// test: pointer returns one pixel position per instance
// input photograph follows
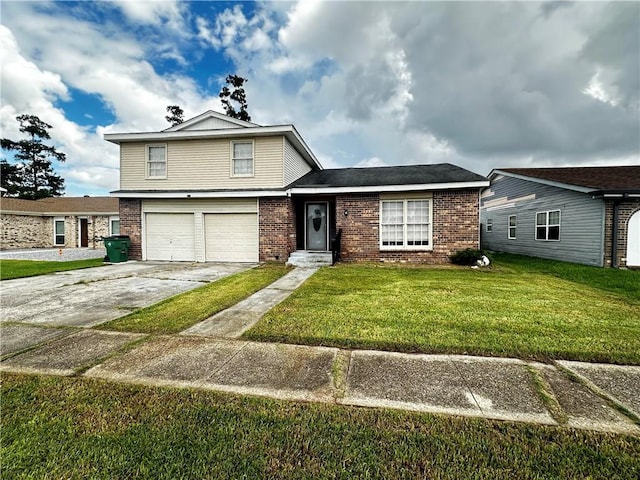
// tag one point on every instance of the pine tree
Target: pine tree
(32, 176)
(235, 101)
(176, 115)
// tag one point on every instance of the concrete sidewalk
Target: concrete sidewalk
(588, 396)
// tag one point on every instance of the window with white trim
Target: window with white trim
(548, 225)
(405, 224)
(58, 231)
(489, 226)
(114, 225)
(513, 225)
(156, 161)
(242, 159)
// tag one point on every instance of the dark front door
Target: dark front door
(316, 230)
(84, 232)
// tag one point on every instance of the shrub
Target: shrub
(468, 256)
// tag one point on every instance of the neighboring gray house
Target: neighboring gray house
(588, 215)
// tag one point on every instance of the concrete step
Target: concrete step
(303, 258)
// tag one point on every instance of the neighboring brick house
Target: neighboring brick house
(219, 189)
(65, 222)
(588, 215)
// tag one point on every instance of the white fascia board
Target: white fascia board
(288, 131)
(209, 114)
(566, 186)
(183, 194)
(387, 188)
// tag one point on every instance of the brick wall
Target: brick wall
(277, 228)
(455, 227)
(626, 208)
(25, 231)
(131, 224)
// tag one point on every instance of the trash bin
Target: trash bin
(117, 248)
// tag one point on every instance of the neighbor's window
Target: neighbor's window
(548, 225)
(513, 223)
(242, 159)
(156, 161)
(489, 225)
(114, 225)
(58, 229)
(405, 224)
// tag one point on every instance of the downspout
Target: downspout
(614, 235)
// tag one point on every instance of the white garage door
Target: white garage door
(231, 237)
(170, 236)
(633, 241)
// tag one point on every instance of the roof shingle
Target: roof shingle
(624, 178)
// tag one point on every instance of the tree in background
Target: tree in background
(235, 101)
(32, 176)
(176, 115)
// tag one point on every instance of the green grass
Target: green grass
(10, 269)
(56, 427)
(181, 311)
(519, 309)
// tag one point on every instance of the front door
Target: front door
(316, 226)
(84, 232)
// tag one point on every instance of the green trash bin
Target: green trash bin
(117, 248)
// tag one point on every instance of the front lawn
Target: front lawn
(181, 311)
(516, 309)
(29, 268)
(54, 427)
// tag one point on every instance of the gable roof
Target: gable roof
(61, 206)
(400, 178)
(596, 180)
(220, 119)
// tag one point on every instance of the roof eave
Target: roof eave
(552, 183)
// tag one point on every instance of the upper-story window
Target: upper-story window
(242, 159)
(156, 161)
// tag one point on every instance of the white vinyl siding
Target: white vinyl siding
(202, 164)
(405, 224)
(548, 225)
(156, 161)
(58, 231)
(242, 158)
(294, 165)
(231, 237)
(513, 226)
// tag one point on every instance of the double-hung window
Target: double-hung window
(489, 225)
(156, 161)
(513, 225)
(405, 224)
(58, 231)
(242, 159)
(548, 225)
(114, 225)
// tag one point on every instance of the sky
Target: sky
(481, 85)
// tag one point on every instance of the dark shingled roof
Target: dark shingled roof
(599, 178)
(70, 205)
(377, 176)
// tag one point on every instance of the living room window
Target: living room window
(513, 224)
(242, 159)
(156, 161)
(548, 225)
(405, 224)
(58, 231)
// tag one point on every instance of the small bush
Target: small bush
(468, 256)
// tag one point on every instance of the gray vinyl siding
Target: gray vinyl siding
(581, 222)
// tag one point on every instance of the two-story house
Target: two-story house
(215, 188)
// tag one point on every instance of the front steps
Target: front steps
(306, 258)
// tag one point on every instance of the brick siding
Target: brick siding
(277, 228)
(626, 208)
(131, 224)
(455, 227)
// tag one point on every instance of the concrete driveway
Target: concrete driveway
(88, 297)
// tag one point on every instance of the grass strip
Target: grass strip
(10, 269)
(506, 311)
(55, 427)
(181, 311)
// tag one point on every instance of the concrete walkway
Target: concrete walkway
(208, 356)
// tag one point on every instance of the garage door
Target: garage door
(231, 237)
(170, 236)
